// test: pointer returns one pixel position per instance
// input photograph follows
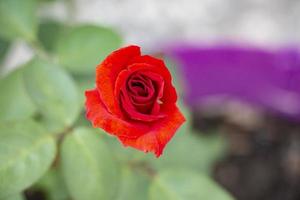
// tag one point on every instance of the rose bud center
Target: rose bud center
(141, 96)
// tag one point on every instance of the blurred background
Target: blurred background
(236, 64)
(152, 22)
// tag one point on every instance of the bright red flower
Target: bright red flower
(135, 100)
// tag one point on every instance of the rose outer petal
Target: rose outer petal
(107, 72)
(159, 135)
(146, 138)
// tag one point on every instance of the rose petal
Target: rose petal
(159, 135)
(169, 97)
(101, 118)
(140, 86)
(126, 102)
(135, 114)
(158, 80)
(107, 73)
(105, 103)
(157, 66)
(146, 138)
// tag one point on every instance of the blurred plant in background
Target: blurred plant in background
(47, 148)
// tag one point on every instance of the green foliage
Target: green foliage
(192, 150)
(188, 150)
(3, 49)
(13, 197)
(26, 152)
(134, 184)
(81, 48)
(54, 93)
(15, 103)
(53, 186)
(88, 166)
(18, 19)
(84, 82)
(48, 33)
(182, 185)
(42, 102)
(124, 154)
(46, 1)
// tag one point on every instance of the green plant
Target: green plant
(47, 144)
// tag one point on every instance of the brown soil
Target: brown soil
(263, 162)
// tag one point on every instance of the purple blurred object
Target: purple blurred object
(266, 78)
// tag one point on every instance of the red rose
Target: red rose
(134, 100)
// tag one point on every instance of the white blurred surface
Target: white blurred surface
(151, 23)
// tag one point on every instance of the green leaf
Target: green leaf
(47, 1)
(89, 169)
(3, 49)
(84, 83)
(15, 103)
(49, 32)
(54, 93)
(53, 186)
(191, 151)
(82, 120)
(26, 152)
(18, 19)
(183, 185)
(81, 48)
(14, 197)
(134, 184)
(121, 153)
